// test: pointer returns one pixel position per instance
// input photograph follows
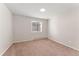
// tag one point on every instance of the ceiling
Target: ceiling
(33, 9)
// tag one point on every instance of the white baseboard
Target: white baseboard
(53, 39)
(30, 39)
(6, 49)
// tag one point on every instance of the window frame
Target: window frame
(40, 26)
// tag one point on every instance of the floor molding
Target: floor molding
(31, 40)
(62, 43)
(40, 47)
(6, 49)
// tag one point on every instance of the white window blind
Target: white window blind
(36, 26)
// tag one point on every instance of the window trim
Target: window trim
(40, 26)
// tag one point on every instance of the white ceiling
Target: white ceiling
(33, 9)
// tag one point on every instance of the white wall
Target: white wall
(22, 28)
(65, 29)
(5, 28)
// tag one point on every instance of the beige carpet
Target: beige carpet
(40, 47)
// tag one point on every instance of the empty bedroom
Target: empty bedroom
(39, 29)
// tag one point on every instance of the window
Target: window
(36, 26)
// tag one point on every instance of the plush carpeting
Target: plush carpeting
(40, 47)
